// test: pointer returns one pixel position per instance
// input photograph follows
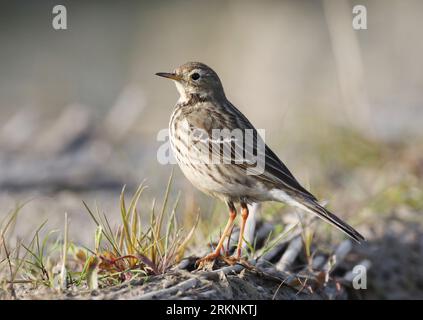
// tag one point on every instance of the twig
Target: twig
(340, 253)
(185, 285)
(290, 254)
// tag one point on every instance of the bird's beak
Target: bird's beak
(172, 76)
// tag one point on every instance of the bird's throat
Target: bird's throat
(183, 96)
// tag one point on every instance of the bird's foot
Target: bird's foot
(207, 261)
(232, 260)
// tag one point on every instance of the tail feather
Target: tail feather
(311, 205)
(329, 217)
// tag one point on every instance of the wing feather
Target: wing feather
(275, 172)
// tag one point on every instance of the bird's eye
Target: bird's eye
(195, 76)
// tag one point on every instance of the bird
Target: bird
(220, 163)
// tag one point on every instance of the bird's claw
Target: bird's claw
(208, 260)
(232, 260)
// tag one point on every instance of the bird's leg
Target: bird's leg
(244, 216)
(228, 243)
(237, 259)
(229, 225)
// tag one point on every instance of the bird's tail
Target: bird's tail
(313, 206)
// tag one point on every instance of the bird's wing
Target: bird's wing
(212, 116)
(275, 170)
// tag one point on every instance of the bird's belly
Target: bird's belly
(204, 178)
(221, 180)
(224, 181)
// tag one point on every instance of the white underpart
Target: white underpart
(280, 195)
(182, 93)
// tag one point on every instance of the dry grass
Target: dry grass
(122, 253)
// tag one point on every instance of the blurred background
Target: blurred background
(80, 109)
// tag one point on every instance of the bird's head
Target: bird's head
(195, 78)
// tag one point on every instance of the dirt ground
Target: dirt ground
(392, 256)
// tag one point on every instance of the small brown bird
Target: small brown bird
(215, 145)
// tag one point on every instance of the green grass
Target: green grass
(128, 251)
